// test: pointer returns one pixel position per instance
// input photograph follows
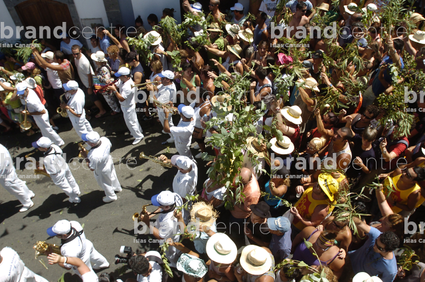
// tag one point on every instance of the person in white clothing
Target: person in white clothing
(146, 266)
(75, 108)
(75, 244)
(38, 112)
(10, 181)
(13, 269)
(100, 161)
(126, 96)
(86, 274)
(53, 76)
(58, 169)
(165, 93)
(182, 133)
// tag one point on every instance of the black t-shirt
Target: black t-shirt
(260, 231)
(368, 158)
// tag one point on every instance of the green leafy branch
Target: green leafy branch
(164, 247)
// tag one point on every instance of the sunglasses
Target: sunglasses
(304, 11)
(366, 117)
(75, 54)
(379, 248)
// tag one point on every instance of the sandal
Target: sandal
(99, 115)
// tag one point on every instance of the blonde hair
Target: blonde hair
(113, 49)
(156, 66)
(318, 142)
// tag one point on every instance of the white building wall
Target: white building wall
(146, 7)
(6, 21)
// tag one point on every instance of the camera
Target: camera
(127, 251)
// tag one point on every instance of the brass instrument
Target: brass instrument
(155, 160)
(104, 86)
(26, 125)
(61, 111)
(142, 86)
(171, 109)
(83, 151)
(37, 171)
(43, 248)
(143, 212)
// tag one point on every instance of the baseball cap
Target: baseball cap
(182, 162)
(280, 224)
(165, 198)
(30, 82)
(92, 137)
(167, 74)
(130, 57)
(43, 142)
(197, 6)
(318, 54)
(237, 7)
(187, 111)
(122, 71)
(61, 227)
(70, 85)
(48, 55)
(21, 87)
(28, 66)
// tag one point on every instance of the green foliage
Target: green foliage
(176, 60)
(164, 248)
(170, 29)
(407, 259)
(24, 53)
(142, 46)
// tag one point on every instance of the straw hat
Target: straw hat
(416, 17)
(192, 266)
(310, 83)
(284, 147)
(221, 249)
(255, 260)
(418, 37)
(233, 29)
(235, 49)
(246, 35)
(324, 7)
(365, 277)
(154, 37)
(99, 56)
(254, 147)
(203, 213)
(214, 27)
(351, 8)
(329, 185)
(292, 114)
(217, 100)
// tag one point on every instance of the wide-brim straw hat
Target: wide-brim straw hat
(292, 114)
(418, 37)
(284, 147)
(153, 37)
(218, 100)
(232, 29)
(203, 214)
(416, 17)
(254, 147)
(99, 56)
(235, 49)
(323, 7)
(255, 260)
(310, 83)
(246, 35)
(351, 8)
(221, 249)
(214, 27)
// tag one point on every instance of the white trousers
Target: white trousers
(42, 122)
(96, 259)
(66, 181)
(132, 122)
(29, 276)
(80, 124)
(161, 116)
(16, 187)
(108, 180)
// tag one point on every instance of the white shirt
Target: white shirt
(100, 156)
(166, 94)
(154, 276)
(127, 92)
(11, 267)
(53, 77)
(32, 101)
(84, 69)
(185, 183)
(77, 247)
(90, 277)
(53, 160)
(182, 134)
(66, 48)
(6, 163)
(76, 102)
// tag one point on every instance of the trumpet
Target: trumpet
(61, 111)
(25, 125)
(37, 171)
(141, 86)
(155, 160)
(143, 212)
(171, 109)
(43, 248)
(83, 151)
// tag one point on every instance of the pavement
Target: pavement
(108, 226)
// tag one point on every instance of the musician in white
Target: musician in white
(100, 161)
(38, 112)
(86, 274)
(75, 244)
(12, 268)
(10, 181)
(165, 93)
(75, 107)
(126, 95)
(58, 169)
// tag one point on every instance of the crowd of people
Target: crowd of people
(286, 196)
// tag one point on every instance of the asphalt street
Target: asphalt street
(108, 226)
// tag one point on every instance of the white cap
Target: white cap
(48, 55)
(31, 82)
(21, 87)
(197, 6)
(237, 7)
(43, 142)
(92, 137)
(167, 74)
(187, 111)
(122, 71)
(182, 162)
(70, 85)
(61, 227)
(165, 198)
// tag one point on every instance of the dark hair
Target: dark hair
(398, 44)
(263, 15)
(270, 60)
(123, 53)
(153, 18)
(139, 20)
(106, 277)
(74, 47)
(120, 28)
(131, 56)
(139, 264)
(205, 69)
(333, 118)
(292, 271)
(374, 110)
(301, 5)
(59, 55)
(420, 172)
(168, 12)
(390, 240)
(186, 65)
(348, 134)
(261, 72)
